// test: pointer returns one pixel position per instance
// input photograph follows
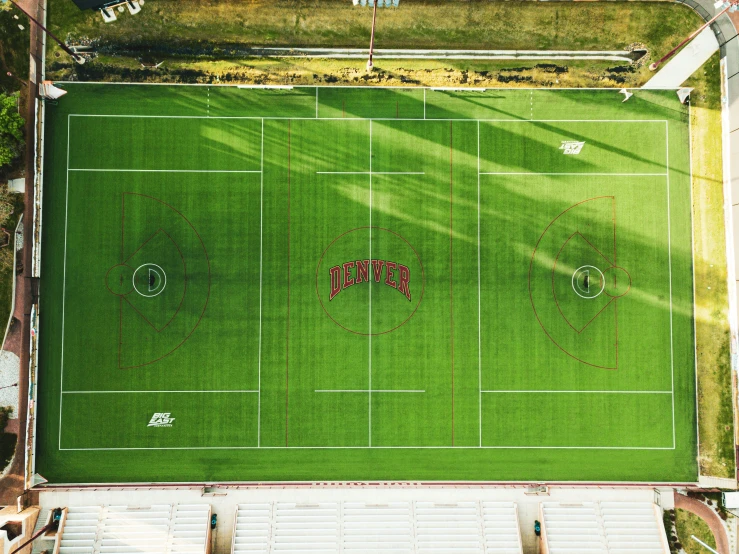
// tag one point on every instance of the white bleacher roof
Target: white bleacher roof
(603, 528)
(158, 529)
(395, 527)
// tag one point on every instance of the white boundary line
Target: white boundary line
(366, 390)
(363, 87)
(369, 390)
(168, 170)
(64, 285)
(580, 391)
(259, 348)
(369, 335)
(490, 120)
(387, 448)
(368, 172)
(585, 174)
(479, 317)
(669, 258)
(153, 391)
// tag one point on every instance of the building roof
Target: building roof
(178, 528)
(412, 527)
(603, 528)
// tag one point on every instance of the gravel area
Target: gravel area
(10, 365)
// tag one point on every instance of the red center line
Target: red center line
(287, 332)
(451, 286)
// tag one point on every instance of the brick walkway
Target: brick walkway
(709, 516)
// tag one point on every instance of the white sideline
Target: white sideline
(386, 448)
(368, 172)
(669, 258)
(151, 391)
(488, 120)
(365, 390)
(369, 335)
(259, 352)
(168, 170)
(370, 390)
(64, 287)
(580, 391)
(575, 174)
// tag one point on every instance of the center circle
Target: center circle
(149, 280)
(370, 281)
(582, 282)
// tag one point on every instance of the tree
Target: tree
(11, 129)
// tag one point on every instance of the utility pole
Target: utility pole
(75, 56)
(731, 6)
(372, 37)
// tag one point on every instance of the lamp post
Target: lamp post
(76, 57)
(372, 37)
(729, 6)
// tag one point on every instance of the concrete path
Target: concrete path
(686, 62)
(709, 516)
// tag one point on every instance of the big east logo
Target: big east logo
(348, 274)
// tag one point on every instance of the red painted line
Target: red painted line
(120, 330)
(287, 331)
(207, 298)
(531, 292)
(451, 282)
(123, 225)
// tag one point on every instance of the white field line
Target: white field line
(492, 120)
(692, 258)
(373, 172)
(169, 170)
(64, 289)
(387, 448)
(364, 87)
(259, 348)
(369, 335)
(479, 309)
(580, 391)
(669, 258)
(154, 391)
(369, 391)
(586, 174)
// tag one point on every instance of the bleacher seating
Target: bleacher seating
(603, 528)
(365, 528)
(164, 528)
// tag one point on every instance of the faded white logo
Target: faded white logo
(161, 420)
(572, 147)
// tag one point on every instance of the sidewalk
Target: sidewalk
(687, 61)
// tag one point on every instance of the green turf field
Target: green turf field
(365, 284)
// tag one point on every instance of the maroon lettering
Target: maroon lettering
(335, 274)
(377, 269)
(362, 271)
(348, 279)
(389, 267)
(404, 277)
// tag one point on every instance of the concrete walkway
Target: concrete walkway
(709, 516)
(686, 62)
